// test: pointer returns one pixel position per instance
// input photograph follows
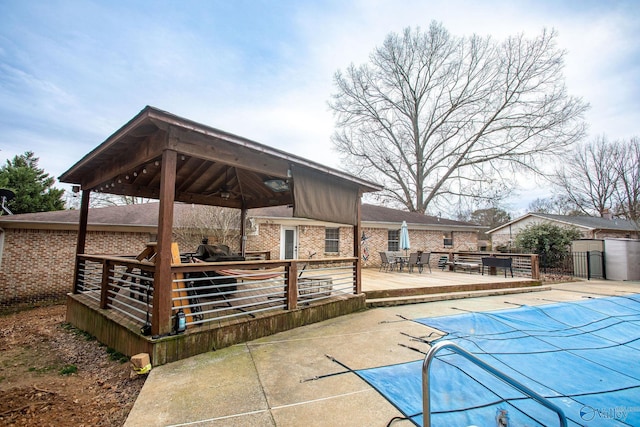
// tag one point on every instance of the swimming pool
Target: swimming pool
(583, 356)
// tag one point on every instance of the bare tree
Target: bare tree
(588, 176)
(627, 194)
(100, 200)
(558, 205)
(196, 222)
(600, 176)
(435, 117)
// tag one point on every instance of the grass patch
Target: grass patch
(42, 370)
(116, 355)
(80, 333)
(68, 370)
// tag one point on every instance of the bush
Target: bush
(550, 242)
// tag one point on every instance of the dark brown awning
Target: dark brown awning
(317, 195)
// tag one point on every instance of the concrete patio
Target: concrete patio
(288, 379)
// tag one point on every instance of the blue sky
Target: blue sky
(74, 71)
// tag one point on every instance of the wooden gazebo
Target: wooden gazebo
(161, 156)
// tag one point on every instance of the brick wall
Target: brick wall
(421, 240)
(267, 239)
(311, 239)
(37, 265)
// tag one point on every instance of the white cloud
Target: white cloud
(71, 74)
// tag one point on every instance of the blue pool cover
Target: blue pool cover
(583, 356)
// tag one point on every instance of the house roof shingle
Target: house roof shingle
(146, 215)
(588, 222)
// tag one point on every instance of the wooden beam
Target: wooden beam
(209, 200)
(134, 190)
(215, 149)
(292, 285)
(136, 155)
(161, 324)
(243, 231)
(82, 236)
(191, 174)
(535, 267)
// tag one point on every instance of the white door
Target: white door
(289, 246)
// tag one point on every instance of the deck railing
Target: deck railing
(89, 277)
(211, 293)
(524, 265)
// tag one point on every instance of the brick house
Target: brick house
(37, 250)
(380, 225)
(590, 227)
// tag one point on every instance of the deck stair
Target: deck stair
(416, 295)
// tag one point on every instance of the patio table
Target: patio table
(404, 260)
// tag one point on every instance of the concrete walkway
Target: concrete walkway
(270, 381)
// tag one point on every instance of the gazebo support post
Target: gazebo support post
(162, 283)
(292, 286)
(243, 231)
(82, 236)
(357, 248)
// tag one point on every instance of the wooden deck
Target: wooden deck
(115, 329)
(396, 288)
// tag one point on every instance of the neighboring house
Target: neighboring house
(37, 250)
(590, 227)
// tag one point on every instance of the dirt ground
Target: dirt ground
(52, 374)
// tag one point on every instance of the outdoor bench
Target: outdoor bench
(493, 262)
(467, 264)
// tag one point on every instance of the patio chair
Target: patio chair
(443, 262)
(424, 259)
(414, 261)
(394, 261)
(386, 262)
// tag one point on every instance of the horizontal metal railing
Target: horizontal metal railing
(213, 292)
(209, 297)
(320, 282)
(90, 278)
(523, 265)
(127, 289)
(426, 392)
(130, 292)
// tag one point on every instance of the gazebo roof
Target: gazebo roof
(213, 167)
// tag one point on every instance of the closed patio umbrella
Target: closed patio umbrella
(405, 244)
